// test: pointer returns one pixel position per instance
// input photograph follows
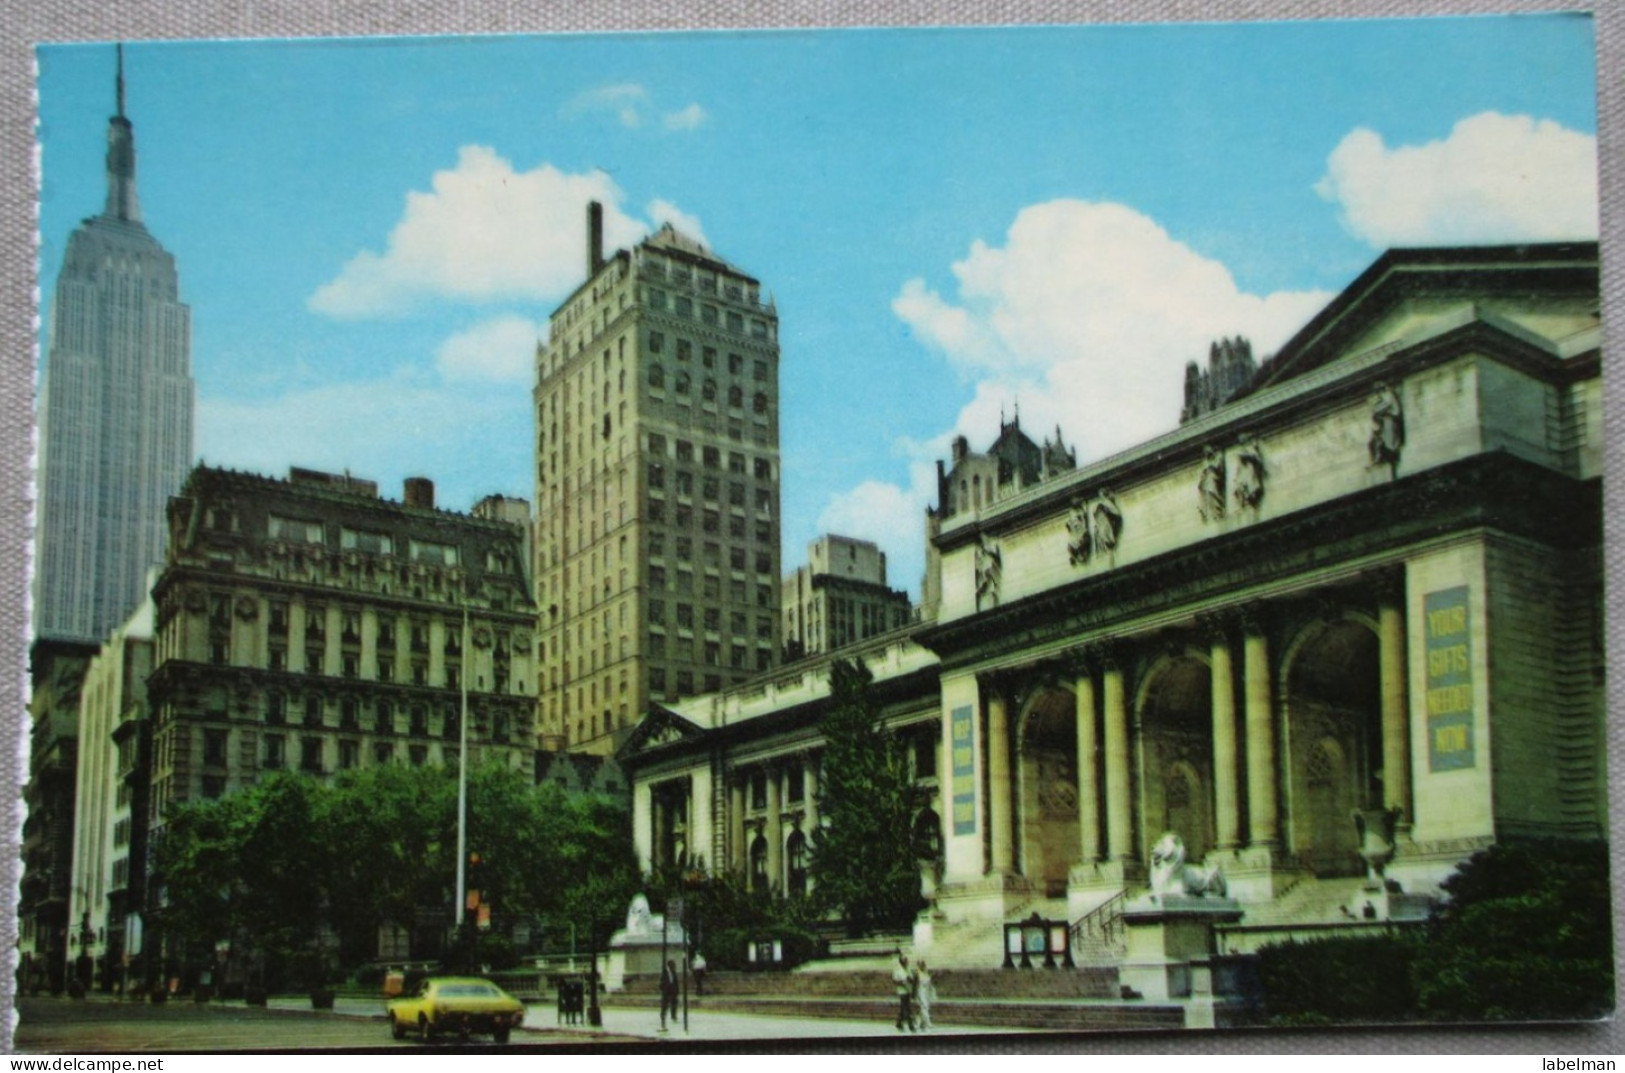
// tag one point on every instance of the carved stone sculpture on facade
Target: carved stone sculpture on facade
(1387, 428)
(989, 568)
(1211, 484)
(1249, 490)
(1077, 533)
(1107, 519)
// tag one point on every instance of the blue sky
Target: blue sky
(372, 233)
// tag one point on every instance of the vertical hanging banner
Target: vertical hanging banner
(1449, 680)
(963, 725)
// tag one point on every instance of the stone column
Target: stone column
(1227, 816)
(1088, 772)
(1263, 821)
(736, 825)
(998, 769)
(1396, 765)
(775, 830)
(809, 774)
(657, 833)
(1119, 815)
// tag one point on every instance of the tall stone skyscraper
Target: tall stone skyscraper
(657, 487)
(115, 415)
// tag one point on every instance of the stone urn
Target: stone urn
(1375, 827)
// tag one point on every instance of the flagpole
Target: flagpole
(462, 785)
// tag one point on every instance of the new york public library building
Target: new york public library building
(1361, 599)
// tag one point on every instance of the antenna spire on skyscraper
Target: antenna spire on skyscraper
(121, 199)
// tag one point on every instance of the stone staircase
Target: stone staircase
(1038, 999)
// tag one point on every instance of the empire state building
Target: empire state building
(115, 412)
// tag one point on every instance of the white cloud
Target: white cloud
(502, 349)
(1085, 318)
(1496, 178)
(690, 118)
(625, 101)
(483, 232)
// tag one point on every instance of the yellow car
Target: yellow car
(460, 1004)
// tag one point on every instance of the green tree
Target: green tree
(1526, 935)
(865, 860)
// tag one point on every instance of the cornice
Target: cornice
(1496, 491)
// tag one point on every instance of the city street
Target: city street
(55, 1025)
(66, 1026)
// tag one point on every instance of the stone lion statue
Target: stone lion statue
(639, 921)
(1171, 875)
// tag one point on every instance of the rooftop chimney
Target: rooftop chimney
(595, 238)
(420, 492)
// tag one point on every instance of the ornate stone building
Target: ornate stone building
(657, 487)
(839, 598)
(309, 624)
(1369, 584)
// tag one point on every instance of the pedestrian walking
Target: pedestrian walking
(668, 993)
(903, 983)
(924, 994)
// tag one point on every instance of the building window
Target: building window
(214, 786)
(277, 659)
(420, 723)
(657, 375)
(384, 718)
(214, 748)
(349, 714)
(764, 470)
(351, 665)
(349, 754)
(685, 451)
(313, 711)
(276, 709)
(418, 754)
(386, 669)
(424, 551)
(274, 756)
(657, 612)
(685, 616)
(657, 342)
(383, 752)
(371, 543)
(313, 661)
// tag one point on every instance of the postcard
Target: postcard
(817, 535)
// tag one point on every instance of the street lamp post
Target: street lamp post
(462, 788)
